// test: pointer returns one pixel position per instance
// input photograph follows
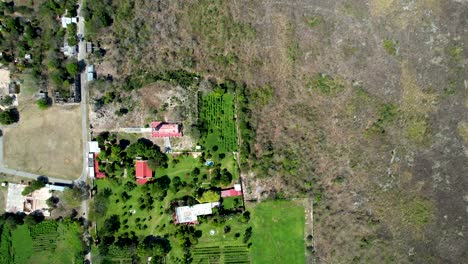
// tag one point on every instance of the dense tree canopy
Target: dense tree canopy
(147, 150)
(153, 246)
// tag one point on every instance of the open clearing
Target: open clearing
(45, 141)
(278, 235)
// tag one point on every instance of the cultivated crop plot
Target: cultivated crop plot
(218, 118)
(221, 254)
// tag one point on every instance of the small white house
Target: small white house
(68, 20)
(90, 72)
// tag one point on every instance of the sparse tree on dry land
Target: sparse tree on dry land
(7, 100)
(34, 185)
(9, 116)
(52, 201)
(43, 103)
(73, 196)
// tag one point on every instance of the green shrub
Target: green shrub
(326, 85)
(7, 100)
(43, 103)
(390, 46)
(387, 113)
(314, 21)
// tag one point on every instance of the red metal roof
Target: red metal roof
(161, 129)
(142, 181)
(230, 192)
(142, 171)
(99, 174)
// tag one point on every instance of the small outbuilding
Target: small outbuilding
(90, 72)
(163, 129)
(235, 191)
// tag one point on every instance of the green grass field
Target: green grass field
(21, 244)
(232, 202)
(278, 233)
(217, 114)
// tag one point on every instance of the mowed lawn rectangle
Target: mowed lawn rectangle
(278, 232)
(47, 142)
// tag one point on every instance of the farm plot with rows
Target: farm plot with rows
(44, 236)
(221, 254)
(218, 125)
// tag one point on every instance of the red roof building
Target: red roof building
(161, 129)
(235, 191)
(142, 171)
(99, 174)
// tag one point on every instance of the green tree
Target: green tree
(9, 116)
(176, 184)
(52, 202)
(34, 218)
(147, 150)
(7, 100)
(111, 225)
(72, 68)
(153, 246)
(43, 103)
(57, 76)
(34, 185)
(209, 196)
(247, 234)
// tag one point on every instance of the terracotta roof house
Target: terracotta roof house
(162, 129)
(236, 191)
(99, 174)
(142, 171)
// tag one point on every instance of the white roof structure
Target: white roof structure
(15, 200)
(94, 147)
(55, 187)
(187, 214)
(237, 187)
(66, 21)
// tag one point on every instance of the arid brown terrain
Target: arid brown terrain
(360, 104)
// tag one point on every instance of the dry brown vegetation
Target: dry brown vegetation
(378, 142)
(45, 141)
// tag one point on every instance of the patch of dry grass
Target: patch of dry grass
(416, 104)
(414, 99)
(403, 211)
(463, 130)
(45, 141)
(381, 7)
